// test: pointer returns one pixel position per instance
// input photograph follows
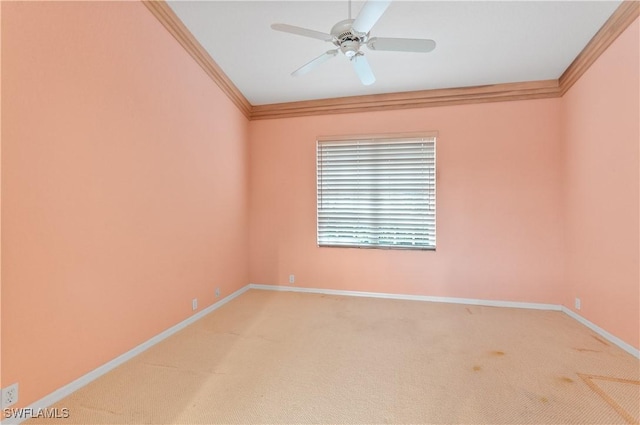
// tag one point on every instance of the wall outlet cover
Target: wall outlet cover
(194, 304)
(292, 278)
(10, 395)
(217, 292)
(578, 304)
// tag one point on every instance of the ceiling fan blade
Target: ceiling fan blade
(361, 65)
(315, 62)
(401, 44)
(369, 15)
(302, 31)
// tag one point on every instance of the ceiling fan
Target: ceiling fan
(351, 34)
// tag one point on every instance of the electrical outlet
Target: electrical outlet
(10, 395)
(194, 304)
(217, 292)
(292, 278)
(578, 304)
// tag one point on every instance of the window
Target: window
(377, 192)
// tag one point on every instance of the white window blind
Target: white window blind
(377, 193)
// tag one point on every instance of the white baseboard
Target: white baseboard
(606, 335)
(62, 392)
(470, 301)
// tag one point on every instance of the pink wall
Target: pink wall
(601, 135)
(499, 229)
(0, 196)
(124, 186)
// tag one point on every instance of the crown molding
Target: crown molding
(413, 99)
(161, 10)
(624, 15)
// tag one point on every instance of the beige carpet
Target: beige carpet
(271, 357)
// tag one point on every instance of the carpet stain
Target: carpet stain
(544, 399)
(565, 379)
(468, 310)
(497, 353)
(587, 350)
(600, 340)
(477, 368)
(588, 379)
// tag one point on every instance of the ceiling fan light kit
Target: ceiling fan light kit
(350, 35)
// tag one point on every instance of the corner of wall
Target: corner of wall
(600, 154)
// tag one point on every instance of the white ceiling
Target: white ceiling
(478, 43)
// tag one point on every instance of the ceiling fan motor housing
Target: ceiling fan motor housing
(346, 39)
